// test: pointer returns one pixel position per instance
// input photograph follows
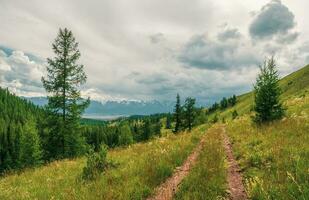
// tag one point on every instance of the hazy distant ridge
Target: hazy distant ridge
(119, 107)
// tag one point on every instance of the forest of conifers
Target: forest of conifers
(23, 133)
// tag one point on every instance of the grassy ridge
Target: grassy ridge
(141, 168)
(294, 87)
(275, 157)
(207, 179)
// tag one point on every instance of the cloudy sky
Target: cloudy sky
(153, 49)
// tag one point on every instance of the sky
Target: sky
(152, 50)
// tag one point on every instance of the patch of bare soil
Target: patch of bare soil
(236, 188)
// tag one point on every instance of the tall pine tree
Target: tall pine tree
(65, 104)
(189, 111)
(177, 115)
(267, 92)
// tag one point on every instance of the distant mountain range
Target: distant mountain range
(98, 109)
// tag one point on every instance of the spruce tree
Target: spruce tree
(267, 92)
(189, 111)
(146, 129)
(65, 104)
(30, 147)
(223, 103)
(177, 115)
(157, 127)
(125, 137)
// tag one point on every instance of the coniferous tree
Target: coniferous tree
(157, 127)
(126, 136)
(168, 122)
(223, 103)
(30, 146)
(18, 128)
(233, 100)
(267, 92)
(146, 130)
(65, 104)
(189, 112)
(177, 115)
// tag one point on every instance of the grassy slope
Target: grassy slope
(294, 87)
(275, 157)
(141, 168)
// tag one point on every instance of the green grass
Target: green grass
(141, 167)
(274, 157)
(207, 179)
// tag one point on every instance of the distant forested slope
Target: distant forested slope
(19, 138)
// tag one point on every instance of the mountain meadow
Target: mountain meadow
(154, 100)
(143, 152)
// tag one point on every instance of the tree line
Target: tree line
(223, 104)
(19, 136)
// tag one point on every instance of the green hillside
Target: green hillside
(295, 91)
(273, 159)
(18, 131)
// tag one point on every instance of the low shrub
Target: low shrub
(96, 163)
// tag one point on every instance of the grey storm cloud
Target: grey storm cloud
(204, 53)
(230, 33)
(274, 18)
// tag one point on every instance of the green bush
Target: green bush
(96, 164)
(126, 136)
(234, 114)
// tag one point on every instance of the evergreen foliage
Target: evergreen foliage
(178, 115)
(65, 104)
(146, 130)
(96, 163)
(232, 100)
(30, 145)
(125, 137)
(19, 138)
(223, 103)
(189, 113)
(267, 93)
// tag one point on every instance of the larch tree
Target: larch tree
(65, 104)
(267, 92)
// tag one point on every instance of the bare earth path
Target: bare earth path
(234, 178)
(167, 190)
(236, 189)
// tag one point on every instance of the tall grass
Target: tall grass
(141, 167)
(207, 179)
(274, 157)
